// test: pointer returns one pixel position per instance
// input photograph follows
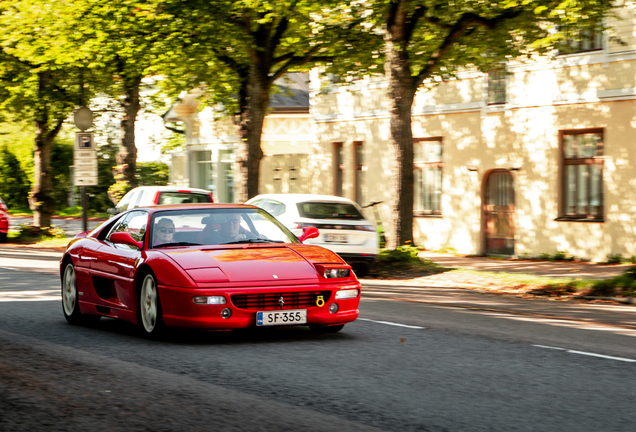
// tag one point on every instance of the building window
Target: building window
(427, 158)
(497, 86)
(338, 168)
(582, 193)
(582, 41)
(203, 176)
(358, 163)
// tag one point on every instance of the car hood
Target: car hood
(253, 263)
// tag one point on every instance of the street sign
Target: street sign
(85, 163)
(84, 141)
(83, 118)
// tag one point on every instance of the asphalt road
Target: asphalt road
(403, 366)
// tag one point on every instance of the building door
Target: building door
(499, 210)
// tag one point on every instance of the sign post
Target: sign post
(85, 157)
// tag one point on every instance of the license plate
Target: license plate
(336, 238)
(281, 317)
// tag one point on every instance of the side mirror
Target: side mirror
(112, 211)
(125, 238)
(308, 233)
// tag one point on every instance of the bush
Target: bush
(29, 233)
(14, 182)
(405, 257)
(622, 286)
(614, 258)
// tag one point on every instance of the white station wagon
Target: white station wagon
(343, 229)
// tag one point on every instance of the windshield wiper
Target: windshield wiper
(177, 244)
(254, 240)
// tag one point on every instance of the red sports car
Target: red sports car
(4, 222)
(205, 266)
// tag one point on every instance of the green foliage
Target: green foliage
(153, 174)
(614, 258)
(117, 190)
(557, 256)
(14, 184)
(403, 256)
(29, 233)
(619, 286)
(61, 161)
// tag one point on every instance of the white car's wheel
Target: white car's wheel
(70, 304)
(149, 306)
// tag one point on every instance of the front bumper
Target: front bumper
(179, 310)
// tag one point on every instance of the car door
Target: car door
(115, 264)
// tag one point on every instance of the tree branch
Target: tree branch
(419, 12)
(297, 61)
(174, 129)
(456, 31)
(241, 69)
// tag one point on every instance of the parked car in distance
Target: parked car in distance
(4, 221)
(205, 266)
(343, 229)
(143, 196)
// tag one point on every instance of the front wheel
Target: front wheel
(70, 303)
(317, 328)
(150, 316)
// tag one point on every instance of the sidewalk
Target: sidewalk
(552, 269)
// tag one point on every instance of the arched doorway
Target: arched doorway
(499, 210)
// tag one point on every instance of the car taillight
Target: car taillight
(155, 199)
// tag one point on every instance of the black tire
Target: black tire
(317, 328)
(3, 237)
(70, 302)
(149, 314)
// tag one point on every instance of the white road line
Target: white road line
(588, 354)
(549, 347)
(392, 323)
(602, 356)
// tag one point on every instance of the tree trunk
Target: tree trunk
(401, 90)
(250, 153)
(40, 200)
(127, 155)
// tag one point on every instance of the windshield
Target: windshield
(328, 210)
(216, 227)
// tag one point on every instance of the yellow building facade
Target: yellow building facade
(540, 159)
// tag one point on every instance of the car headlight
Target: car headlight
(209, 300)
(336, 273)
(347, 294)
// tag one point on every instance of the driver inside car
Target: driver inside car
(164, 230)
(227, 230)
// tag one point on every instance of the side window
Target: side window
(135, 223)
(137, 200)
(275, 208)
(123, 204)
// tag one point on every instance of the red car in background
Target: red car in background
(4, 221)
(205, 266)
(144, 196)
